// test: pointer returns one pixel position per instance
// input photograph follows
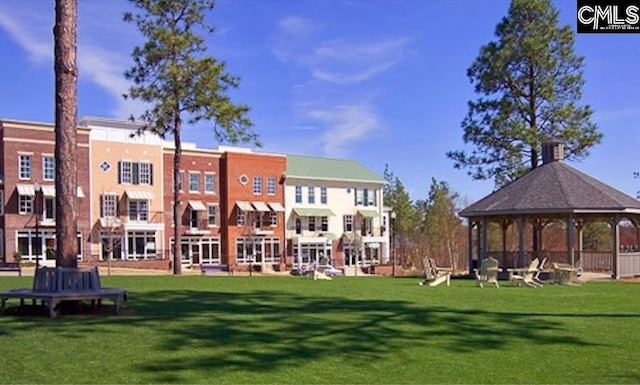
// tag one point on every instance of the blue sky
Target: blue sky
(378, 81)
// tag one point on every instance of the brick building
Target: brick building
(253, 222)
(27, 192)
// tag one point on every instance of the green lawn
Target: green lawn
(350, 330)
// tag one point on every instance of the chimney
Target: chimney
(552, 151)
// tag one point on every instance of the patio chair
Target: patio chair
(320, 270)
(536, 276)
(488, 272)
(433, 275)
(527, 276)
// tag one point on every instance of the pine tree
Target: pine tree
(173, 73)
(530, 82)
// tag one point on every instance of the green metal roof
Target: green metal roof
(312, 212)
(368, 213)
(330, 169)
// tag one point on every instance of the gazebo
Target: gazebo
(552, 193)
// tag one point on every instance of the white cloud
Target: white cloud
(346, 125)
(40, 51)
(31, 29)
(336, 61)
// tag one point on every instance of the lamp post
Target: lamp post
(38, 208)
(393, 243)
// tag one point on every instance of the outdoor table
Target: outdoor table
(564, 274)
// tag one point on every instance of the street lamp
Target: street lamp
(38, 207)
(393, 243)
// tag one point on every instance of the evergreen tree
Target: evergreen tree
(530, 82)
(181, 83)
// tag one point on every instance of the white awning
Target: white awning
(139, 194)
(261, 206)
(110, 222)
(244, 206)
(26, 190)
(197, 206)
(49, 191)
(277, 207)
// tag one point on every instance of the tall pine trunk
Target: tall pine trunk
(177, 244)
(66, 75)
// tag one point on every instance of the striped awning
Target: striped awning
(244, 206)
(139, 194)
(368, 213)
(261, 206)
(49, 191)
(313, 212)
(197, 206)
(277, 207)
(330, 236)
(26, 190)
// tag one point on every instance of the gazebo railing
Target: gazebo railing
(587, 260)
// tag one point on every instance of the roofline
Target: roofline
(382, 182)
(477, 214)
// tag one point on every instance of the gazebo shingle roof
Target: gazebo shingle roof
(554, 188)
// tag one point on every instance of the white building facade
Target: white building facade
(334, 208)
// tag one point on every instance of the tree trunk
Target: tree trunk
(177, 246)
(66, 76)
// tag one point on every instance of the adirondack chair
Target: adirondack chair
(526, 276)
(536, 277)
(433, 275)
(488, 272)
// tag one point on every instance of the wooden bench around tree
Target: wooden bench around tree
(8, 266)
(53, 285)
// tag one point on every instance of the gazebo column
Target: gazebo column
(616, 246)
(485, 225)
(580, 228)
(520, 242)
(470, 226)
(504, 224)
(570, 240)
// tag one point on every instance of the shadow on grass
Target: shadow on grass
(264, 330)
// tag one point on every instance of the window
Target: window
(210, 183)
(25, 204)
(273, 219)
(194, 219)
(298, 194)
(135, 173)
(367, 226)
(371, 197)
(24, 166)
(242, 218)
(325, 223)
(125, 172)
(257, 185)
(271, 185)
(359, 197)
(49, 209)
(145, 173)
(212, 211)
(348, 223)
(194, 181)
(138, 210)
(109, 205)
(323, 195)
(312, 223)
(1, 205)
(298, 226)
(312, 194)
(48, 168)
(141, 244)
